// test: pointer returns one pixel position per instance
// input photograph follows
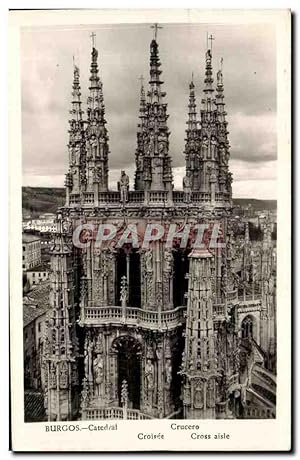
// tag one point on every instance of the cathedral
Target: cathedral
(146, 331)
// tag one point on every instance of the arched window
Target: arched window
(247, 327)
(128, 264)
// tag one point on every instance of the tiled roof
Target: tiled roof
(28, 238)
(42, 267)
(36, 303)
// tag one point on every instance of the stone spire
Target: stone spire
(61, 345)
(224, 174)
(157, 169)
(191, 150)
(208, 177)
(76, 178)
(141, 133)
(96, 133)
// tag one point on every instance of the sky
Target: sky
(249, 69)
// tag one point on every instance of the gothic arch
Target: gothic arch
(129, 351)
(248, 327)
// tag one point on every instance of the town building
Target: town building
(31, 251)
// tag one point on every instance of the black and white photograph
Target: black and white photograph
(149, 223)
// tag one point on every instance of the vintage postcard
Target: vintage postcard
(150, 230)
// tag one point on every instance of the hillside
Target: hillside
(37, 200)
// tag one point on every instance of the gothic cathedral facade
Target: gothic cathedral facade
(156, 331)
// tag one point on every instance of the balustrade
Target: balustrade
(134, 316)
(114, 413)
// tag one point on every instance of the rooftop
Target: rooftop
(36, 303)
(28, 238)
(43, 267)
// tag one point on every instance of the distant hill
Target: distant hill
(257, 205)
(37, 200)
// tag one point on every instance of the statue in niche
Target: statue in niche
(151, 144)
(168, 261)
(223, 156)
(149, 380)
(161, 148)
(219, 77)
(76, 155)
(63, 375)
(94, 145)
(187, 187)
(98, 373)
(210, 393)
(168, 375)
(149, 261)
(213, 175)
(213, 146)
(205, 144)
(161, 111)
(98, 174)
(123, 187)
(198, 394)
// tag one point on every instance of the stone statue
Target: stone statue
(77, 154)
(94, 145)
(148, 261)
(98, 174)
(213, 146)
(98, 373)
(210, 393)
(198, 395)
(205, 147)
(123, 186)
(187, 187)
(223, 156)
(149, 380)
(168, 369)
(168, 261)
(219, 77)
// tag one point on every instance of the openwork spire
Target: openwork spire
(192, 122)
(192, 139)
(220, 104)
(96, 132)
(75, 178)
(139, 154)
(157, 171)
(96, 108)
(76, 97)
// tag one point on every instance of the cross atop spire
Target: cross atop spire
(156, 27)
(209, 38)
(93, 37)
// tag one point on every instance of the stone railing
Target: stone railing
(232, 296)
(157, 196)
(75, 199)
(250, 297)
(258, 412)
(138, 197)
(88, 198)
(113, 413)
(219, 311)
(109, 197)
(134, 316)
